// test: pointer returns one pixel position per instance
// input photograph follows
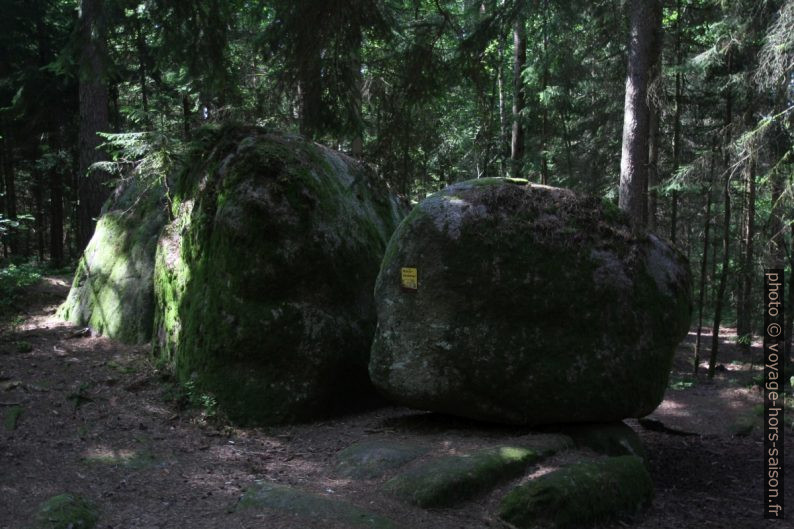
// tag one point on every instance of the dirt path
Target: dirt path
(97, 419)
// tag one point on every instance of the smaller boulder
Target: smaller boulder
(372, 459)
(580, 495)
(66, 511)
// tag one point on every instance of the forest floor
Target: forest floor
(94, 417)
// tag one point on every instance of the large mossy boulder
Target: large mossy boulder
(532, 305)
(112, 291)
(264, 280)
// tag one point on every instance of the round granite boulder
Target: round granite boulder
(509, 302)
(263, 280)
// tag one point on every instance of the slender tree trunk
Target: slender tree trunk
(502, 114)
(677, 122)
(718, 304)
(140, 44)
(644, 24)
(357, 144)
(568, 147)
(744, 322)
(544, 127)
(56, 217)
(92, 190)
(653, 168)
(703, 262)
(38, 205)
(519, 60)
(726, 229)
(2, 198)
(11, 193)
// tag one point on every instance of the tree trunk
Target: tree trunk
(653, 168)
(140, 44)
(519, 60)
(704, 261)
(92, 190)
(56, 217)
(677, 122)
(502, 114)
(38, 205)
(357, 143)
(10, 189)
(744, 315)
(544, 126)
(726, 228)
(644, 24)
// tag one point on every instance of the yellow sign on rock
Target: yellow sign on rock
(409, 278)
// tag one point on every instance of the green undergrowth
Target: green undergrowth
(13, 280)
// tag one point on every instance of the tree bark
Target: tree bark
(502, 114)
(726, 228)
(544, 132)
(38, 204)
(679, 81)
(519, 60)
(56, 217)
(644, 24)
(704, 261)
(10, 190)
(92, 191)
(653, 168)
(744, 320)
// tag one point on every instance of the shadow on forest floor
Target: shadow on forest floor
(96, 418)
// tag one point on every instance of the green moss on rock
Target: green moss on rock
(612, 439)
(310, 506)
(112, 291)
(449, 480)
(535, 306)
(66, 511)
(11, 418)
(373, 459)
(580, 495)
(264, 280)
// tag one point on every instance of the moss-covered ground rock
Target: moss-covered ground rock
(264, 279)
(373, 459)
(312, 507)
(113, 290)
(449, 480)
(533, 305)
(580, 495)
(613, 439)
(66, 511)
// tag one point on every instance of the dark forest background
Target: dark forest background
(429, 92)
